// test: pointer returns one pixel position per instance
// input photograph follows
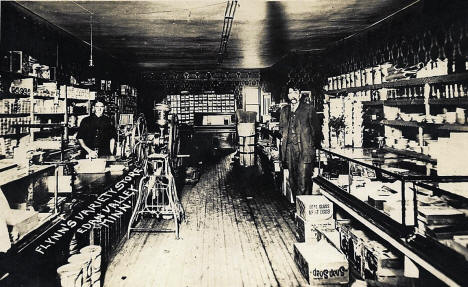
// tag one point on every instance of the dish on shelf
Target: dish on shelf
(405, 117)
(439, 119)
(413, 144)
(451, 117)
(418, 117)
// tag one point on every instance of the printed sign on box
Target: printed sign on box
(314, 207)
(308, 231)
(321, 263)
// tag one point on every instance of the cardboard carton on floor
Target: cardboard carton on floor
(321, 264)
(356, 242)
(314, 208)
(310, 231)
(382, 265)
(345, 237)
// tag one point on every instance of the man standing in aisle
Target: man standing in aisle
(300, 134)
(97, 134)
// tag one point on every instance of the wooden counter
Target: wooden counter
(97, 213)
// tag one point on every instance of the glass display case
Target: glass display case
(404, 201)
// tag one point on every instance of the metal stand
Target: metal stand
(157, 196)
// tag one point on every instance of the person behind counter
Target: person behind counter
(97, 134)
(299, 128)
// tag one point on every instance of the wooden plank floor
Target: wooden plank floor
(238, 232)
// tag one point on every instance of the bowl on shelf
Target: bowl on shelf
(405, 117)
(418, 117)
(461, 116)
(413, 144)
(451, 117)
(438, 119)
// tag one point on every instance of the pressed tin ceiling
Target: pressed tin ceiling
(175, 35)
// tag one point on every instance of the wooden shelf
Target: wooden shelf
(14, 134)
(453, 127)
(446, 79)
(373, 103)
(39, 125)
(417, 101)
(401, 123)
(404, 102)
(8, 95)
(46, 97)
(48, 114)
(15, 115)
(22, 76)
(451, 101)
(18, 174)
(412, 154)
(78, 100)
(446, 127)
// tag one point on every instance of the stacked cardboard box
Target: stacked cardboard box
(313, 213)
(321, 264)
(318, 259)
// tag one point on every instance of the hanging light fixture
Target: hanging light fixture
(91, 64)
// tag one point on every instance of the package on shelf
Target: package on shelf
(20, 62)
(377, 199)
(47, 90)
(446, 165)
(433, 68)
(48, 106)
(22, 86)
(393, 208)
(41, 71)
(440, 215)
(74, 92)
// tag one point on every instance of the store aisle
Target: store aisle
(238, 233)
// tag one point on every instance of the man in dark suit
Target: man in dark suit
(96, 134)
(300, 131)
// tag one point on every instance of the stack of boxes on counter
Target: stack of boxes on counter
(316, 252)
(186, 105)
